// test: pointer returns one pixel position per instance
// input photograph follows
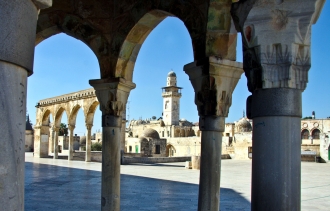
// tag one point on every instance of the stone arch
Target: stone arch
(305, 134)
(170, 150)
(182, 133)
(316, 132)
(58, 116)
(73, 115)
(135, 38)
(89, 114)
(45, 117)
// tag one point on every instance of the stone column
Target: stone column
(88, 142)
(112, 94)
(56, 132)
(17, 38)
(276, 45)
(51, 140)
(71, 150)
(214, 81)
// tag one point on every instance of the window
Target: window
(130, 148)
(157, 149)
(316, 134)
(304, 134)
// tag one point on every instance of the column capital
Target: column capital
(276, 43)
(89, 126)
(71, 127)
(56, 129)
(112, 94)
(43, 4)
(214, 81)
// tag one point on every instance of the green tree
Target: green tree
(63, 130)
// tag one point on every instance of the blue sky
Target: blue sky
(63, 64)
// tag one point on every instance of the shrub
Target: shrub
(96, 147)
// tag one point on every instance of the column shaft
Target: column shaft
(12, 117)
(110, 169)
(276, 155)
(210, 166)
(276, 163)
(56, 131)
(88, 157)
(51, 140)
(71, 150)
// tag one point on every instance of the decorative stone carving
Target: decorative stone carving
(276, 42)
(214, 83)
(112, 94)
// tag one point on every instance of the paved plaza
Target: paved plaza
(61, 185)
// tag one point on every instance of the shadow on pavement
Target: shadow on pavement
(55, 188)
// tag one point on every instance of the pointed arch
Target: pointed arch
(73, 115)
(45, 117)
(133, 42)
(89, 114)
(58, 116)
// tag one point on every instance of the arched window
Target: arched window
(316, 134)
(304, 134)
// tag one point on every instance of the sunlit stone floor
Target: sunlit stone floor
(61, 185)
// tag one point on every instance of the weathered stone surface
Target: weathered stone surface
(13, 81)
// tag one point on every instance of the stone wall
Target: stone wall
(96, 156)
(128, 160)
(187, 146)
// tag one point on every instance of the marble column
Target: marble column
(17, 37)
(71, 150)
(112, 94)
(56, 132)
(214, 82)
(276, 64)
(88, 157)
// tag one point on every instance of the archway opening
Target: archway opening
(62, 65)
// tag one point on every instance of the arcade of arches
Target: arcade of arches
(276, 37)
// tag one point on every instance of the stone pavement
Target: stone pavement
(61, 185)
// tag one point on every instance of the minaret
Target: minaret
(171, 100)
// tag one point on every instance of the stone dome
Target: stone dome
(150, 133)
(243, 125)
(141, 139)
(171, 74)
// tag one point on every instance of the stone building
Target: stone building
(149, 144)
(276, 38)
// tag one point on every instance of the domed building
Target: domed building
(149, 144)
(243, 125)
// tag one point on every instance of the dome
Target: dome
(142, 139)
(150, 133)
(171, 74)
(243, 125)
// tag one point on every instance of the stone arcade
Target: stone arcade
(276, 36)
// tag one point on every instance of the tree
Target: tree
(63, 130)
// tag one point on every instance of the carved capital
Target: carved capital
(112, 94)
(56, 129)
(43, 4)
(89, 126)
(276, 43)
(71, 128)
(214, 81)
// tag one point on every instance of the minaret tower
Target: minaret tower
(171, 100)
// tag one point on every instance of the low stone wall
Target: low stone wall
(96, 156)
(128, 160)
